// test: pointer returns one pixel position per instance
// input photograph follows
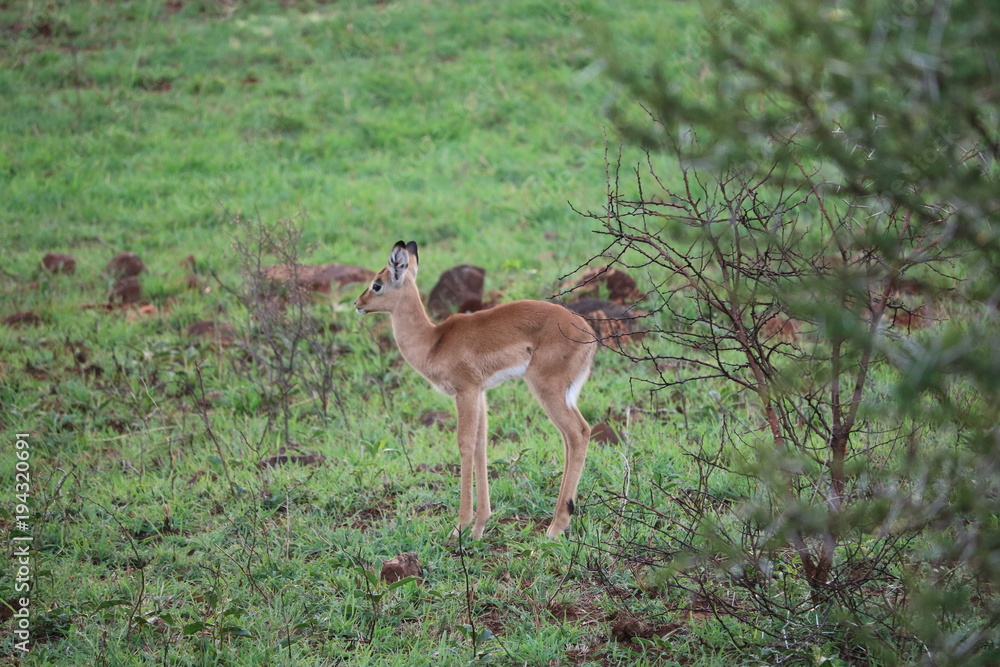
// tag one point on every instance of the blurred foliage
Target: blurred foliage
(893, 108)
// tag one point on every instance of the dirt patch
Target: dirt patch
(379, 508)
(6, 610)
(781, 329)
(283, 459)
(319, 277)
(626, 627)
(569, 612)
(221, 332)
(190, 282)
(449, 469)
(155, 533)
(160, 85)
(435, 507)
(362, 519)
(26, 318)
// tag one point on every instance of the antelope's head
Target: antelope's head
(387, 288)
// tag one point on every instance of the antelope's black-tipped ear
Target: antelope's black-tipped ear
(399, 262)
(411, 248)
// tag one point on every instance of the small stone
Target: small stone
(57, 262)
(604, 434)
(614, 323)
(127, 289)
(620, 286)
(125, 265)
(435, 418)
(402, 566)
(456, 290)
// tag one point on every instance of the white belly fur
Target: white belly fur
(506, 374)
(573, 391)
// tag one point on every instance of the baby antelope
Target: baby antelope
(546, 344)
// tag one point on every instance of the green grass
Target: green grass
(147, 126)
(459, 124)
(473, 128)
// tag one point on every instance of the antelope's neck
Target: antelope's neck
(412, 329)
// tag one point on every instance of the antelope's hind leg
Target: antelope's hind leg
(575, 432)
(576, 437)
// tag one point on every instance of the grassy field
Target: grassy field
(150, 126)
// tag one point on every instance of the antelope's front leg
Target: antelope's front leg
(483, 510)
(467, 406)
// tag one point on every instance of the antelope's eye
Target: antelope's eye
(376, 287)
